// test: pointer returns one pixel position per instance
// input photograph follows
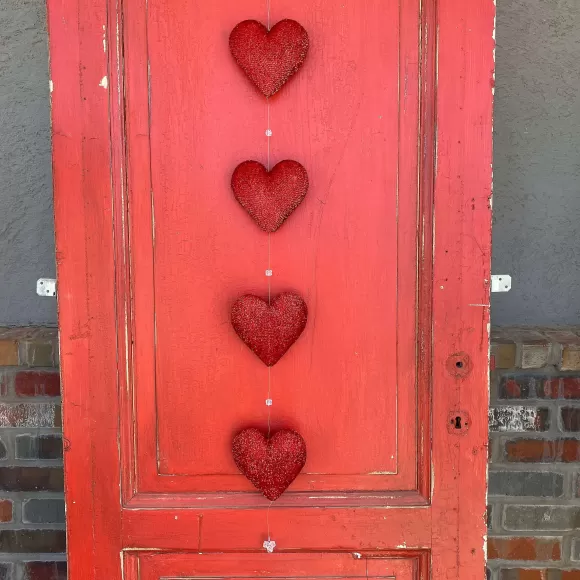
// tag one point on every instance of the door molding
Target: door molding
(144, 484)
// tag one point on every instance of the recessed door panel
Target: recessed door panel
(351, 118)
(313, 566)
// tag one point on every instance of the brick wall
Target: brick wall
(534, 505)
(32, 530)
(534, 488)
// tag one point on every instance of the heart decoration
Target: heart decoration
(270, 196)
(269, 58)
(269, 329)
(270, 464)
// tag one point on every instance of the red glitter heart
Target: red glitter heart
(269, 330)
(269, 59)
(270, 197)
(270, 464)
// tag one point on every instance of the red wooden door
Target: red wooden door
(391, 117)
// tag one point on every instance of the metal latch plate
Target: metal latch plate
(501, 283)
(46, 287)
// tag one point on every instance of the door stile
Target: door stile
(462, 245)
(80, 49)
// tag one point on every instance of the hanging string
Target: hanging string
(268, 518)
(269, 267)
(269, 400)
(268, 130)
(269, 270)
(268, 135)
(269, 544)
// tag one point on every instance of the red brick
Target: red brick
(45, 571)
(538, 574)
(38, 447)
(562, 336)
(32, 541)
(571, 418)
(570, 387)
(523, 387)
(5, 380)
(543, 451)
(513, 389)
(524, 549)
(519, 387)
(520, 335)
(561, 388)
(551, 389)
(31, 479)
(37, 384)
(18, 333)
(5, 510)
(523, 574)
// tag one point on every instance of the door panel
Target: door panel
(350, 249)
(336, 252)
(312, 566)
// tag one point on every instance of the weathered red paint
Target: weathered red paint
(391, 117)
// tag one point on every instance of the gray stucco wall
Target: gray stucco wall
(537, 163)
(26, 230)
(536, 232)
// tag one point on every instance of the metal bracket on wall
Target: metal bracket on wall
(46, 287)
(501, 283)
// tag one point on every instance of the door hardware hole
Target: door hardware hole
(458, 422)
(459, 364)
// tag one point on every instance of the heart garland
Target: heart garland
(269, 330)
(269, 58)
(270, 197)
(271, 464)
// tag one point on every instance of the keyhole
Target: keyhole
(459, 364)
(458, 422)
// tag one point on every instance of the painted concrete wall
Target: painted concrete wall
(536, 233)
(26, 230)
(537, 163)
